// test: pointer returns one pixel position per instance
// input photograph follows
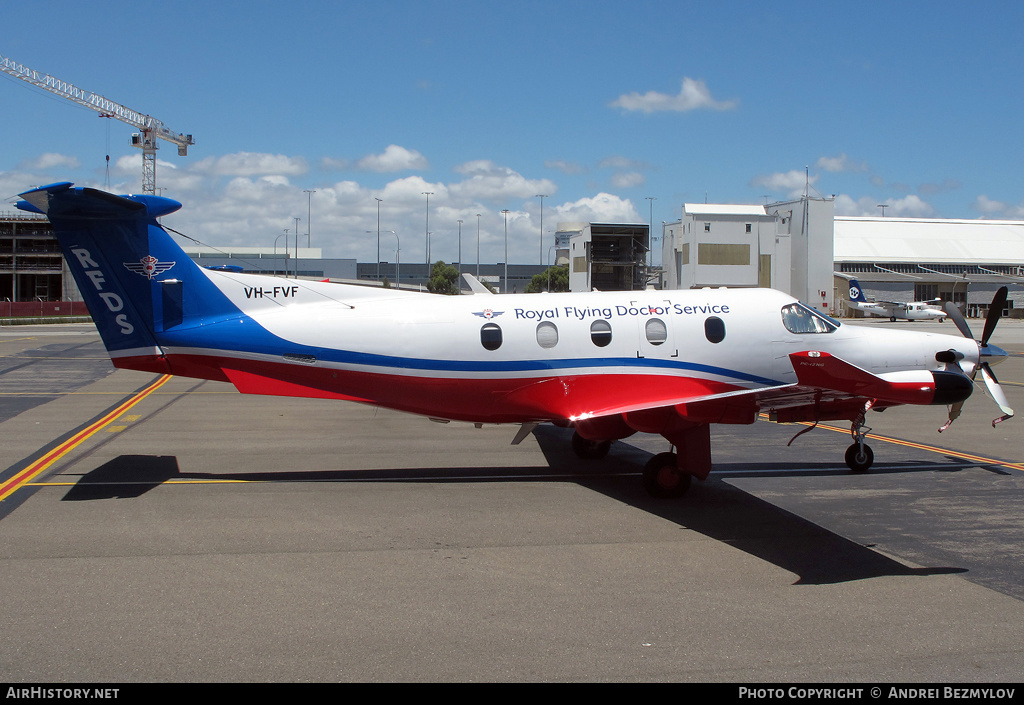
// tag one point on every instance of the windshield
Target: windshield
(799, 319)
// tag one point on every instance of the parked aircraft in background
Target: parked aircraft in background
(912, 311)
(606, 364)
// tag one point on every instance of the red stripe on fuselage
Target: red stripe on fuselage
(478, 399)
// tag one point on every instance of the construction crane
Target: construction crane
(149, 127)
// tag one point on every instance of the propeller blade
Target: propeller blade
(997, 393)
(995, 312)
(958, 318)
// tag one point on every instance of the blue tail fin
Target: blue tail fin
(856, 293)
(116, 251)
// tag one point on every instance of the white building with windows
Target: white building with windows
(785, 246)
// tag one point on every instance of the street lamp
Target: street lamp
(297, 247)
(650, 231)
(460, 256)
(477, 245)
(309, 214)
(542, 196)
(378, 236)
(426, 228)
(398, 260)
(286, 231)
(505, 213)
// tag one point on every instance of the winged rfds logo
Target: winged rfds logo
(149, 266)
(488, 313)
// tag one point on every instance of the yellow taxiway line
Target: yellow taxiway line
(54, 454)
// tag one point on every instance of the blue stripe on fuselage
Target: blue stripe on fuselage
(246, 335)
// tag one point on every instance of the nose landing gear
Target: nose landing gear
(859, 456)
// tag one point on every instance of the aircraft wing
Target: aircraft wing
(827, 388)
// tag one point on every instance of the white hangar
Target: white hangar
(919, 259)
(802, 248)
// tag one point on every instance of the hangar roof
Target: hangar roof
(722, 209)
(879, 239)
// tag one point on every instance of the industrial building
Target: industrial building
(605, 256)
(786, 246)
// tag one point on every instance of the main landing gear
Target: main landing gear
(666, 475)
(664, 479)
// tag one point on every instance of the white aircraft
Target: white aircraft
(912, 311)
(606, 364)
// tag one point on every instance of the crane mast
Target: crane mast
(149, 128)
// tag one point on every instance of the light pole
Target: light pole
(309, 214)
(542, 196)
(398, 260)
(378, 236)
(477, 245)
(426, 228)
(286, 230)
(297, 247)
(460, 255)
(650, 231)
(505, 213)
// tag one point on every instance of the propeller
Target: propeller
(988, 355)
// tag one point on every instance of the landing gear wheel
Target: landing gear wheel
(664, 479)
(589, 450)
(859, 457)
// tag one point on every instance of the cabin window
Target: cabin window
(601, 333)
(547, 334)
(714, 329)
(799, 319)
(655, 331)
(490, 336)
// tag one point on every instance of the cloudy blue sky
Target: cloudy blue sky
(600, 105)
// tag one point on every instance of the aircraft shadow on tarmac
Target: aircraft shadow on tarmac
(713, 508)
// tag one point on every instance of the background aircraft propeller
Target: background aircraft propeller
(987, 353)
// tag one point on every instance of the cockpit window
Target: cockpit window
(799, 319)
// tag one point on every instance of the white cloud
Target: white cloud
(693, 95)
(793, 182)
(490, 182)
(910, 206)
(987, 206)
(50, 160)
(840, 163)
(564, 166)
(628, 179)
(602, 208)
(394, 158)
(251, 164)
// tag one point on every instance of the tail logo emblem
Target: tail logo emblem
(149, 266)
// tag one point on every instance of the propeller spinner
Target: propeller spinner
(988, 355)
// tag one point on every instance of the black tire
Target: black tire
(589, 450)
(664, 479)
(859, 461)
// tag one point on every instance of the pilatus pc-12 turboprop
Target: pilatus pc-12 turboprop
(606, 364)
